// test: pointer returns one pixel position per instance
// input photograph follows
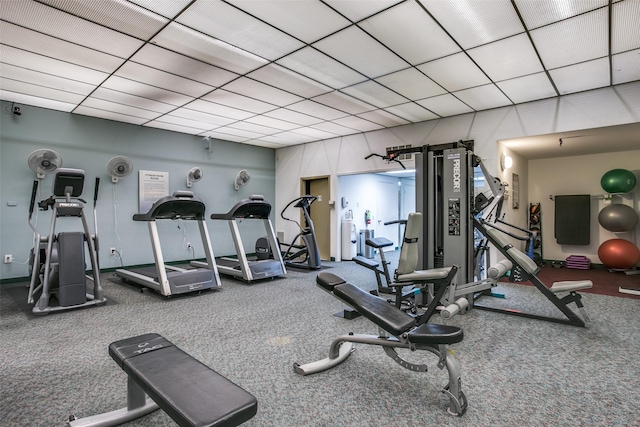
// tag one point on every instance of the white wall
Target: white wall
(343, 156)
(580, 175)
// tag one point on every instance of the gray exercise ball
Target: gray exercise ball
(618, 217)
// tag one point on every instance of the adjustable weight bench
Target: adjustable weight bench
(413, 333)
(160, 375)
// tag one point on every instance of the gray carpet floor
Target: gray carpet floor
(515, 371)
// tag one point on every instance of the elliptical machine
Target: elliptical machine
(305, 256)
(57, 262)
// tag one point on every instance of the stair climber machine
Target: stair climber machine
(307, 255)
(253, 208)
(57, 261)
(170, 280)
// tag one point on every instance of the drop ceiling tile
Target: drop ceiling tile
(581, 77)
(305, 20)
(318, 66)
(256, 128)
(374, 94)
(204, 120)
(181, 39)
(43, 64)
(343, 102)
(240, 102)
(454, 72)
(230, 130)
(316, 134)
(39, 17)
(383, 118)
(408, 21)
(483, 97)
(40, 91)
(287, 80)
(273, 123)
(508, 58)
(333, 128)
(173, 127)
(361, 52)
(145, 91)
(115, 108)
(357, 10)
(290, 138)
(219, 109)
(473, 23)
(445, 105)
(315, 109)
(37, 78)
(358, 124)
(124, 17)
(528, 88)
(583, 38)
(233, 26)
(168, 9)
(131, 100)
(411, 83)
(21, 98)
(258, 90)
(157, 78)
(34, 42)
(293, 117)
(626, 67)
(181, 120)
(109, 115)
(538, 13)
(412, 112)
(625, 26)
(171, 62)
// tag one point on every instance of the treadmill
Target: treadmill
(169, 280)
(255, 207)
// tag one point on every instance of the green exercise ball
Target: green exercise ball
(618, 181)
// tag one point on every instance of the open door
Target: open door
(320, 212)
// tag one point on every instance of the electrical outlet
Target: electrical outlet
(188, 246)
(112, 251)
(8, 259)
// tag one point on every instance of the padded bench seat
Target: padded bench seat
(365, 262)
(191, 393)
(571, 285)
(374, 308)
(379, 242)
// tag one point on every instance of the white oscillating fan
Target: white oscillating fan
(194, 175)
(119, 167)
(44, 162)
(242, 178)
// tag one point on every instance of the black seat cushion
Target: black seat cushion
(432, 333)
(191, 393)
(328, 281)
(378, 310)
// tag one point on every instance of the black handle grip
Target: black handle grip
(33, 196)
(95, 194)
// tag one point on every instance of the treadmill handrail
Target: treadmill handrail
(255, 207)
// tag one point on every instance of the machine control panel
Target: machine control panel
(454, 217)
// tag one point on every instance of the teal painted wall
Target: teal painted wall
(89, 143)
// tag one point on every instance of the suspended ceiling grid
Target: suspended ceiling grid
(275, 73)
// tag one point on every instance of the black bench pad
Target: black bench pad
(328, 281)
(376, 309)
(191, 393)
(365, 262)
(432, 333)
(379, 242)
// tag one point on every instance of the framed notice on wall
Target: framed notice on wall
(515, 200)
(152, 185)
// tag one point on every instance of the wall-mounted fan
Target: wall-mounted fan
(194, 175)
(242, 178)
(44, 161)
(119, 167)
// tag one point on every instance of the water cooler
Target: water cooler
(349, 237)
